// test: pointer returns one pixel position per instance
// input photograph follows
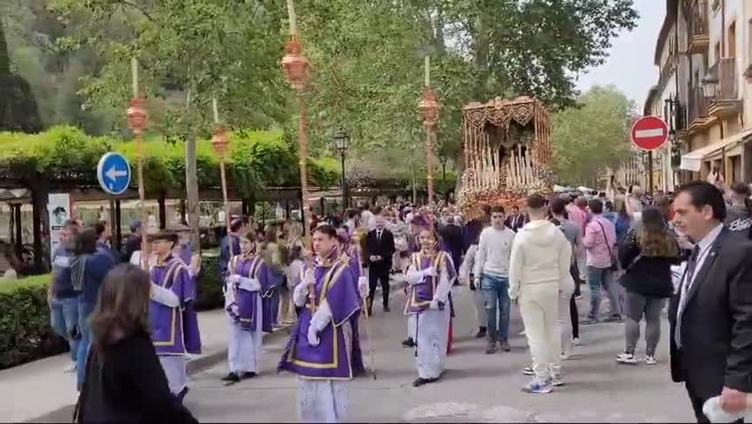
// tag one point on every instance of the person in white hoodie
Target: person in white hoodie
(538, 277)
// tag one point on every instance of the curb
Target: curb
(194, 366)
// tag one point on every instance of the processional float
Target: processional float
(507, 153)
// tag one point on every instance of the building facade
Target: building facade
(704, 90)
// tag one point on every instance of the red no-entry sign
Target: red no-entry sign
(649, 133)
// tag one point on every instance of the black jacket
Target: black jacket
(716, 332)
(648, 276)
(128, 385)
(383, 247)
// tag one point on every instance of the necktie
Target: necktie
(684, 294)
(378, 235)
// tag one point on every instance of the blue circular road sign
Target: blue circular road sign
(114, 173)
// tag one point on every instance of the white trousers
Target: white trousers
(565, 324)
(174, 369)
(411, 326)
(322, 401)
(539, 307)
(432, 336)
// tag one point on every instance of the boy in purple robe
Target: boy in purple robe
(320, 346)
(351, 254)
(243, 304)
(174, 323)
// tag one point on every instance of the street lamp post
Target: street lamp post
(138, 120)
(295, 66)
(429, 106)
(341, 141)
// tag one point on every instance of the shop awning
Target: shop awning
(692, 161)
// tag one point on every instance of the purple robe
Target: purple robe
(352, 256)
(270, 282)
(248, 313)
(174, 330)
(331, 359)
(419, 296)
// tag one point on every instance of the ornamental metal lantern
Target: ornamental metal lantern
(294, 64)
(710, 86)
(138, 117)
(220, 141)
(341, 140)
(429, 106)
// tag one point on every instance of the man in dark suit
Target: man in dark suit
(711, 314)
(380, 248)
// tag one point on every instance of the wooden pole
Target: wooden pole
(302, 157)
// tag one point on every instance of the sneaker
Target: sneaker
(557, 381)
(650, 360)
(528, 371)
(408, 342)
(505, 346)
(576, 341)
(626, 358)
(539, 387)
(522, 333)
(70, 368)
(589, 321)
(491, 348)
(564, 357)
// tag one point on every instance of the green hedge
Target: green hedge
(65, 154)
(25, 332)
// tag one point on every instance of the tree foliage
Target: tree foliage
(18, 108)
(592, 136)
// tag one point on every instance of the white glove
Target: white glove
(712, 409)
(300, 295)
(164, 296)
(229, 296)
(363, 286)
(233, 279)
(430, 272)
(249, 284)
(319, 321)
(434, 305)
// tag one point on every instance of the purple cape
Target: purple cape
(352, 256)
(174, 330)
(246, 300)
(331, 358)
(419, 296)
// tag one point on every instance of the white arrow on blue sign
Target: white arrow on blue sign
(114, 173)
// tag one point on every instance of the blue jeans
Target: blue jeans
(84, 312)
(602, 278)
(64, 321)
(496, 299)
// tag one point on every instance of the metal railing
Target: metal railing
(698, 18)
(698, 104)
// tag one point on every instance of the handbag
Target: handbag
(614, 264)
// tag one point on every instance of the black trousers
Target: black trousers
(574, 316)
(376, 275)
(697, 403)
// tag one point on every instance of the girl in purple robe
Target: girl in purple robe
(247, 275)
(430, 277)
(320, 346)
(174, 324)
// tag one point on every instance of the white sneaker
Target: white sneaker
(564, 357)
(650, 360)
(576, 341)
(557, 381)
(522, 333)
(70, 368)
(626, 358)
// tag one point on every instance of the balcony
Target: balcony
(726, 102)
(699, 37)
(697, 111)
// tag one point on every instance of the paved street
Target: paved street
(476, 387)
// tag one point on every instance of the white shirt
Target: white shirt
(494, 251)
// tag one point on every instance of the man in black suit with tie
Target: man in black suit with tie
(711, 313)
(380, 248)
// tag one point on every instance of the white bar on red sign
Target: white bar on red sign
(657, 132)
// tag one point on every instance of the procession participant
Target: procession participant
(184, 251)
(418, 222)
(352, 256)
(429, 278)
(170, 312)
(320, 346)
(274, 255)
(248, 273)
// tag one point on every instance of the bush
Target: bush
(208, 287)
(25, 332)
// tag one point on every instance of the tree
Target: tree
(18, 108)
(593, 136)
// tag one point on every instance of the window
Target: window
(731, 40)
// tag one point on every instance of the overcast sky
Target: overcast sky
(630, 65)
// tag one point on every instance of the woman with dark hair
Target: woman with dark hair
(274, 257)
(89, 266)
(124, 381)
(646, 255)
(739, 213)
